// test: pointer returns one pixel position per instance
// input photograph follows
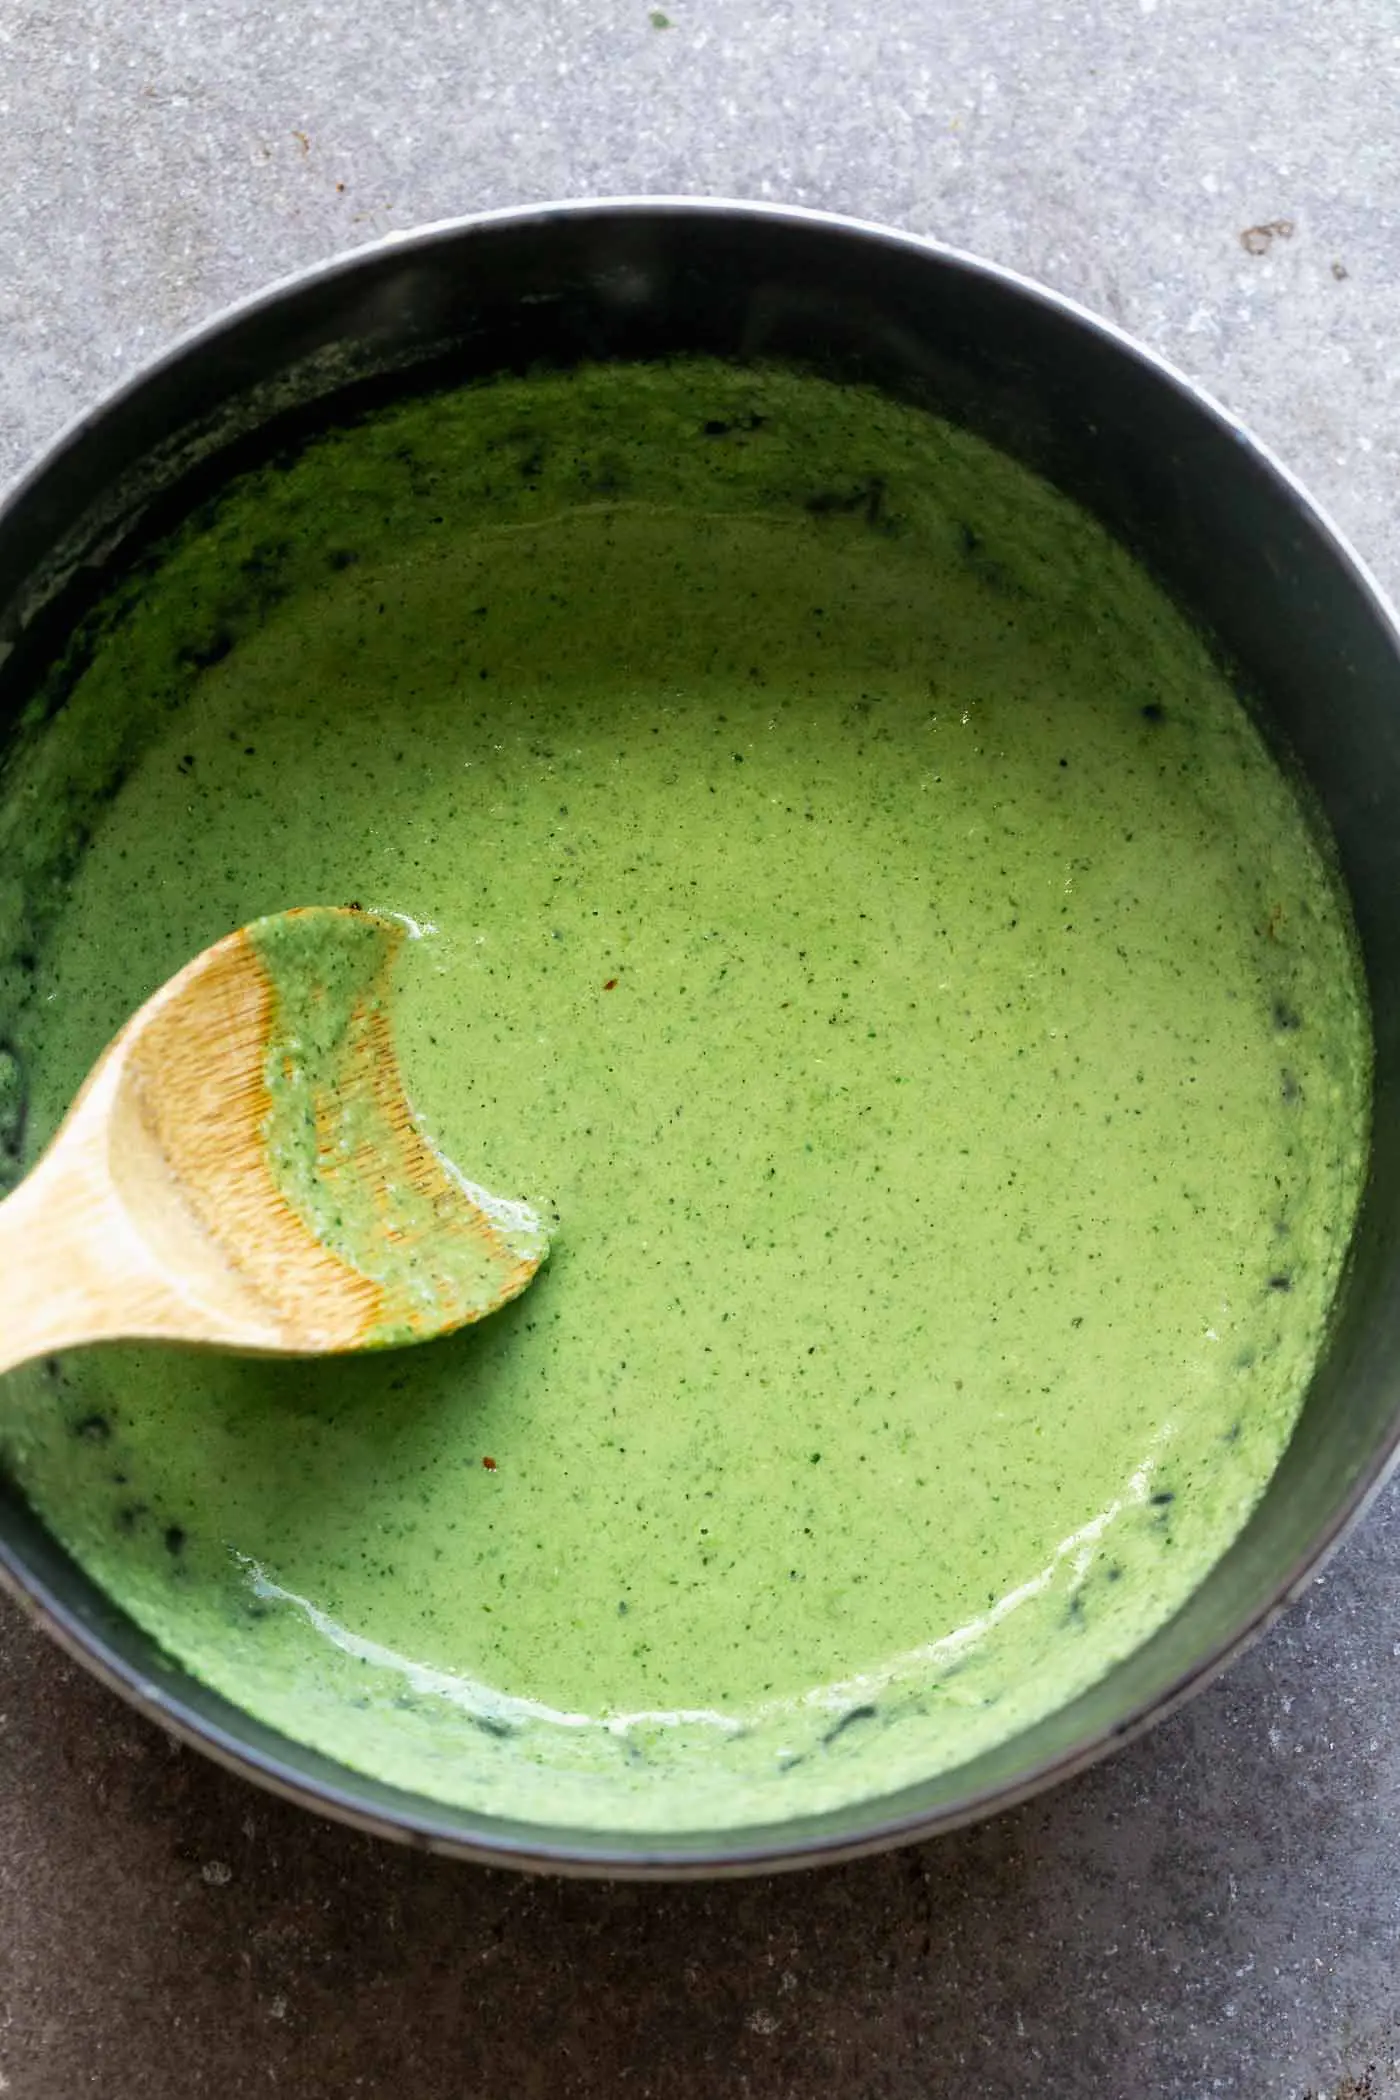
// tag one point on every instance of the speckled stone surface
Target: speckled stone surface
(1217, 1912)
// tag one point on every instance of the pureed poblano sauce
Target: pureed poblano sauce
(854, 904)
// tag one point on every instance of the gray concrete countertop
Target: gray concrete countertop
(1217, 1911)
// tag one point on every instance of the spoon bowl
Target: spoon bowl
(243, 1169)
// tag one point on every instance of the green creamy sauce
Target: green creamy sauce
(854, 904)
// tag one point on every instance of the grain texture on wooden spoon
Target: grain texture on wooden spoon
(242, 1169)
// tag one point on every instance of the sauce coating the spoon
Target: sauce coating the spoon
(342, 1144)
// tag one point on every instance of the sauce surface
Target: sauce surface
(855, 907)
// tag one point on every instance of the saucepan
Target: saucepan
(1287, 608)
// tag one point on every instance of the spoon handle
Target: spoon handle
(60, 1282)
(79, 1262)
(76, 1267)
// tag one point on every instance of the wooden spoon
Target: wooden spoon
(242, 1169)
